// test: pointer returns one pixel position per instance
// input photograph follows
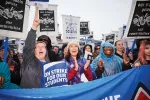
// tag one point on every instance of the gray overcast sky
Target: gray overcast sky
(104, 15)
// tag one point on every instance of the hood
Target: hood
(106, 44)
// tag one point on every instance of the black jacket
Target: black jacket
(31, 69)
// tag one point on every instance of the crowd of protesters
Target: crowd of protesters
(108, 59)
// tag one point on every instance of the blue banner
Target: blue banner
(132, 84)
(55, 74)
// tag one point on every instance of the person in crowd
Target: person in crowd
(76, 64)
(14, 67)
(107, 63)
(120, 51)
(64, 51)
(56, 50)
(96, 51)
(87, 48)
(143, 55)
(5, 82)
(34, 58)
(51, 54)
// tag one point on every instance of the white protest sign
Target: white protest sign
(48, 21)
(71, 27)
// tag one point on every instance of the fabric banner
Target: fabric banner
(84, 28)
(139, 20)
(55, 74)
(71, 27)
(133, 84)
(39, 3)
(13, 18)
(47, 20)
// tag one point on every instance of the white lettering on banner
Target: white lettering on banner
(55, 76)
(55, 81)
(111, 97)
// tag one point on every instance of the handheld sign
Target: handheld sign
(71, 27)
(47, 20)
(55, 74)
(88, 56)
(39, 3)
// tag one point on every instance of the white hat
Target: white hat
(73, 42)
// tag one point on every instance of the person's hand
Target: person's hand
(125, 58)
(137, 64)
(76, 63)
(87, 64)
(1, 81)
(100, 64)
(36, 23)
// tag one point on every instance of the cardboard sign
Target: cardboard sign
(47, 20)
(139, 20)
(13, 18)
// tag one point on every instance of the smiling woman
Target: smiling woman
(76, 65)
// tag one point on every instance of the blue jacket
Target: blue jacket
(5, 73)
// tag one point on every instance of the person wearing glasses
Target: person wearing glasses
(51, 54)
(34, 58)
(96, 51)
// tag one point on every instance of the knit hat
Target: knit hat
(73, 42)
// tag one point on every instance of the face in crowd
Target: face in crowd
(108, 51)
(73, 49)
(88, 49)
(147, 50)
(40, 51)
(56, 49)
(119, 46)
(97, 49)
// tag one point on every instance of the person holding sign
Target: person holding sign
(87, 52)
(34, 58)
(107, 63)
(76, 65)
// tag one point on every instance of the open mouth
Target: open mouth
(40, 52)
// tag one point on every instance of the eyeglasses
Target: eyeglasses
(97, 48)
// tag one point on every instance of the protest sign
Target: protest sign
(55, 74)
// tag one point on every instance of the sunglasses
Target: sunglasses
(97, 48)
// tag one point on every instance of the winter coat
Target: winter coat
(31, 70)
